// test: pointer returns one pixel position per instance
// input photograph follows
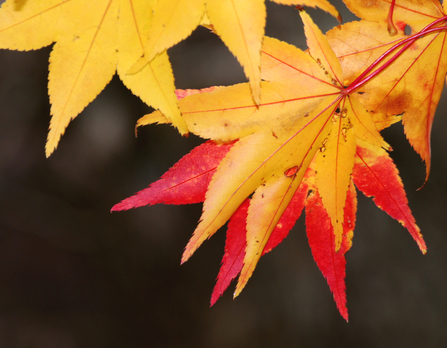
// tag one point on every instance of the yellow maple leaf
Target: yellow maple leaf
(240, 24)
(94, 39)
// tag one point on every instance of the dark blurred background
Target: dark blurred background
(74, 275)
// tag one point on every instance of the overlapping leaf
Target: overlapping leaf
(304, 137)
(374, 174)
(94, 39)
(414, 13)
(303, 103)
(240, 24)
(413, 85)
(306, 114)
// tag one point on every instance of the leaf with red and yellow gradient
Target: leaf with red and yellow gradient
(251, 163)
(186, 182)
(235, 244)
(94, 39)
(376, 175)
(322, 242)
(334, 163)
(233, 258)
(266, 208)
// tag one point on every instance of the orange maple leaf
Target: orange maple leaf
(308, 122)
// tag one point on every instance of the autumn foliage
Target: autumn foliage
(302, 134)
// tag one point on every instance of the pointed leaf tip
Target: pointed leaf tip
(185, 183)
(233, 258)
(322, 242)
(376, 175)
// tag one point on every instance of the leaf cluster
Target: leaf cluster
(302, 133)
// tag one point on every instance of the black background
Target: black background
(74, 275)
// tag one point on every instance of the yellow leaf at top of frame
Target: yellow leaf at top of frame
(205, 22)
(34, 24)
(81, 65)
(240, 24)
(173, 21)
(154, 84)
(416, 13)
(93, 40)
(322, 4)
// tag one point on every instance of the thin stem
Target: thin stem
(389, 51)
(363, 78)
(434, 23)
(390, 24)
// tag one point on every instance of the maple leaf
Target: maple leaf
(94, 39)
(304, 144)
(303, 118)
(240, 24)
(414, 84)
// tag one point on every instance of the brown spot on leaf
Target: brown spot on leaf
(291, 171)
